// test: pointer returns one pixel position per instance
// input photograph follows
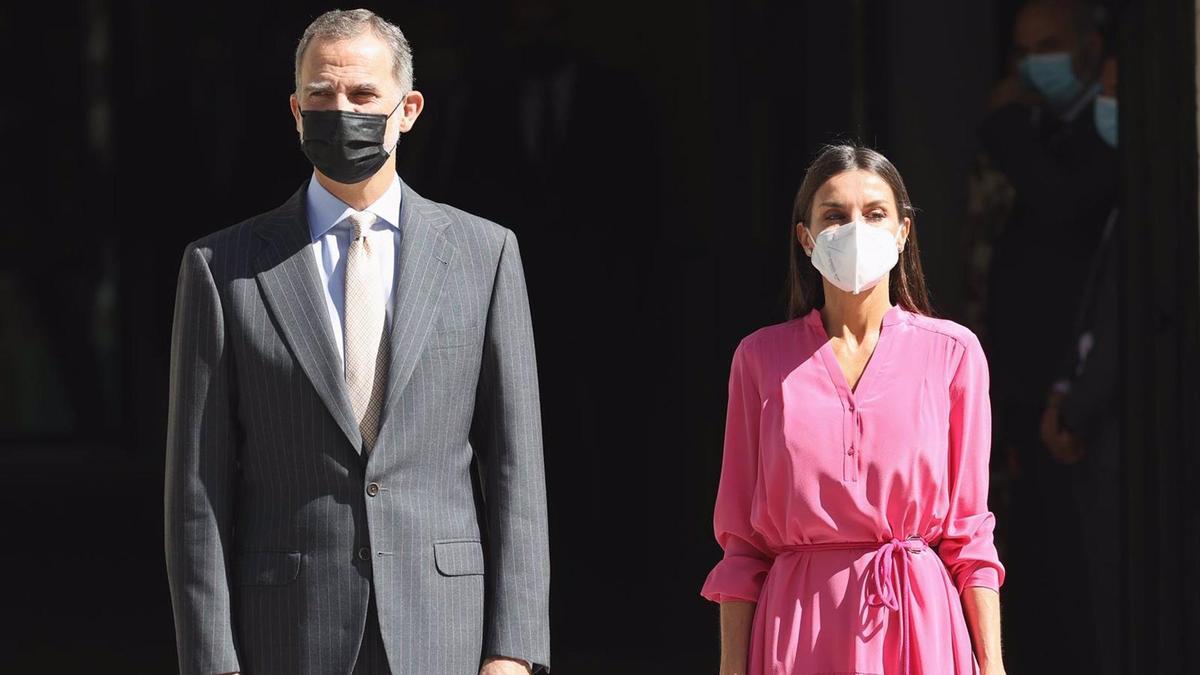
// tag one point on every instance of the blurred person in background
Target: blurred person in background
(1062, 179)
(1081, 425)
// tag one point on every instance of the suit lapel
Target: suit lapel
(421, 265)
(291, 285)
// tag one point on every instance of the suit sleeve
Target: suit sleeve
(741, 572)
(507, 436)
(200, 462)
(967, 547)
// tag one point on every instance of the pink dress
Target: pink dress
(856, 518)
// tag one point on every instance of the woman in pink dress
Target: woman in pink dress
(852, 506)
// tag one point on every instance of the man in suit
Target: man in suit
(1040, 134)
(354, 479)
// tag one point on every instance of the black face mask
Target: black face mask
(346, 146)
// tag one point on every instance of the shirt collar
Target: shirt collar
(326, 210)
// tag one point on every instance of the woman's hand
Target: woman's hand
(992, 669)
(728, 669)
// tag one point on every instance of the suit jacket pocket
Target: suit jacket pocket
(267, 568)
(458, 557)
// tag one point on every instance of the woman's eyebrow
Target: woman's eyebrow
(871, 204)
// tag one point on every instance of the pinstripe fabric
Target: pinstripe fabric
(269, 498)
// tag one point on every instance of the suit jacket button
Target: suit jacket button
(364, 553)
(372, 489)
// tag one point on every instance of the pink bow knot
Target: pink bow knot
(889, 584)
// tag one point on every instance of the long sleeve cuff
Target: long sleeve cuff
(736, 577)
(984, 576)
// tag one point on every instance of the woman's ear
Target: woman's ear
(805, 239)
(905, 229)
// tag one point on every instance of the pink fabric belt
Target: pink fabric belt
(889, 579)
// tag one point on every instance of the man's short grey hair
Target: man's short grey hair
(342, 24)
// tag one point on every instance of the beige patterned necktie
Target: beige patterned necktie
(366, 348)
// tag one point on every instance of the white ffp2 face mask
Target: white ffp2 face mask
(855, 256)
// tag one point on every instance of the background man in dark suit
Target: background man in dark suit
(354, 478)
(1040, 134)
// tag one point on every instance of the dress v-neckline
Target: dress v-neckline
(876, 361)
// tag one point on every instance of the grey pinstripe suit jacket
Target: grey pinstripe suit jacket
(270, 508)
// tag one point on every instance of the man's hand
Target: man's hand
(499, 665)
(1049, 428)
(1068, 449)
(1065, 447)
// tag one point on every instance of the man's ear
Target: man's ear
(294, 103)
(410, 110)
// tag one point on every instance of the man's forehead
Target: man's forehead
(358, 60)
(1040, 21)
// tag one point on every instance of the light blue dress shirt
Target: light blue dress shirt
(331, 232)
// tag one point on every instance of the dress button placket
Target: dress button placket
(851, 456)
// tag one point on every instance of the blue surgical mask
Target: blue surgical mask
(1052, 76)
(1106, 119)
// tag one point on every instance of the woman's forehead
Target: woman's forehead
(855, 187)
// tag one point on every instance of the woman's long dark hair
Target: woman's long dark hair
(906, 281)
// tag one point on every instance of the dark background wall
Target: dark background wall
(134, 128)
